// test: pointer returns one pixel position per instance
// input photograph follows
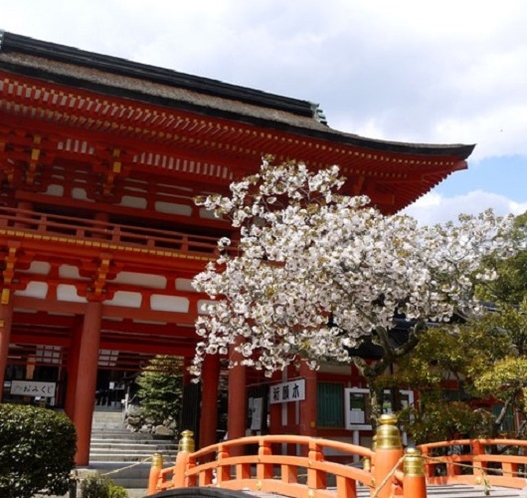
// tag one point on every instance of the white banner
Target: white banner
(285, 392)
(33, 388)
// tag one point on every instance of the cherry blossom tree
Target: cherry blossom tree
(316, 272)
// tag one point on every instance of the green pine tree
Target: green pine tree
(160, 389)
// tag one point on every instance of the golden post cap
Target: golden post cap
(413, 462)
(186, 443)
(157, 460)
(388, 435)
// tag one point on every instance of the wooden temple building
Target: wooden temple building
(100, 159)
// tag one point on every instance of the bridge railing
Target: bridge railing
(496, 462)
(258, 463)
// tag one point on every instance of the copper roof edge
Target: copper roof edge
(313, 125)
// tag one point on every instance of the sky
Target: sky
(437, 72)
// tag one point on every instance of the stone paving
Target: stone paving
(132, 493)
(455, 491)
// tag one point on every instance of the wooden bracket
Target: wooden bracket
(8, 274)
(33, 161)
(97, 291)
(114, 169)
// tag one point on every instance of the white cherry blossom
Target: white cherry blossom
(316, 271)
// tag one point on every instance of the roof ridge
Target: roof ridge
(117, 65)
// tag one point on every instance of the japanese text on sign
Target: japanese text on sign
(33, 388)
(288, 391)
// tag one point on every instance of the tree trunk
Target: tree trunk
(376, 400)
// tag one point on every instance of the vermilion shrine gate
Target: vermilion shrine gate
(100, 159)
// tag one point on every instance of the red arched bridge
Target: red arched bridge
(257, 466)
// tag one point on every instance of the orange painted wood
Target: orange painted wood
(308, 406)
(179, 471)
(276, 473)
(86, 380)
(153, 479)
(209, 400)
(264, 470)
(285, 479)
(6, 318)
(486, 467)
(237, 407)
(316, 477)
(73, 369)
(414, 486)
(384, 464)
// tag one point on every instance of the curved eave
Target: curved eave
(308, 128)
(227, 138)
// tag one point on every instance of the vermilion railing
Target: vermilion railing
(496, 462)
(267, 469)
(259, 463)
(66, 226)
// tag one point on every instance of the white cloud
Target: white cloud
(409, 70)
(434, 208)
(406, 70)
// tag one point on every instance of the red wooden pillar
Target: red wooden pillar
(6, 319)
(73, 369)
(208, 423)
(275, 414)
(308, 407)
(237, 404)
(87, 379)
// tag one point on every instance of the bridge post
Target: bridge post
(155, 470)
(186, 446)
(316, 479)
(388, 453)
(414, 480)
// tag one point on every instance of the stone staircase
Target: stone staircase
(118, 452)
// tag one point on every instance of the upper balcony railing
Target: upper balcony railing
(21, 222)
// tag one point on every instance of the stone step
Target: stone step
(107, 414)
(124, 450)
(134, 438)
(142, 439)
(110, 428)
(124, 445)
(111, 442)
(140, 453)
(127, 435)
(108, 423)
(117, 424)
(126, 458)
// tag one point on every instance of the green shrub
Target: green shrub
(117, 491)
(37, 450)
(97, 486)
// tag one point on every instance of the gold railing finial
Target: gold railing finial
(186, 443)
(413, 464)
(388, 434)
(157, 460)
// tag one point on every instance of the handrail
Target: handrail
(227, 465)
(28, 221)
(476, 462)
(256, 463)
